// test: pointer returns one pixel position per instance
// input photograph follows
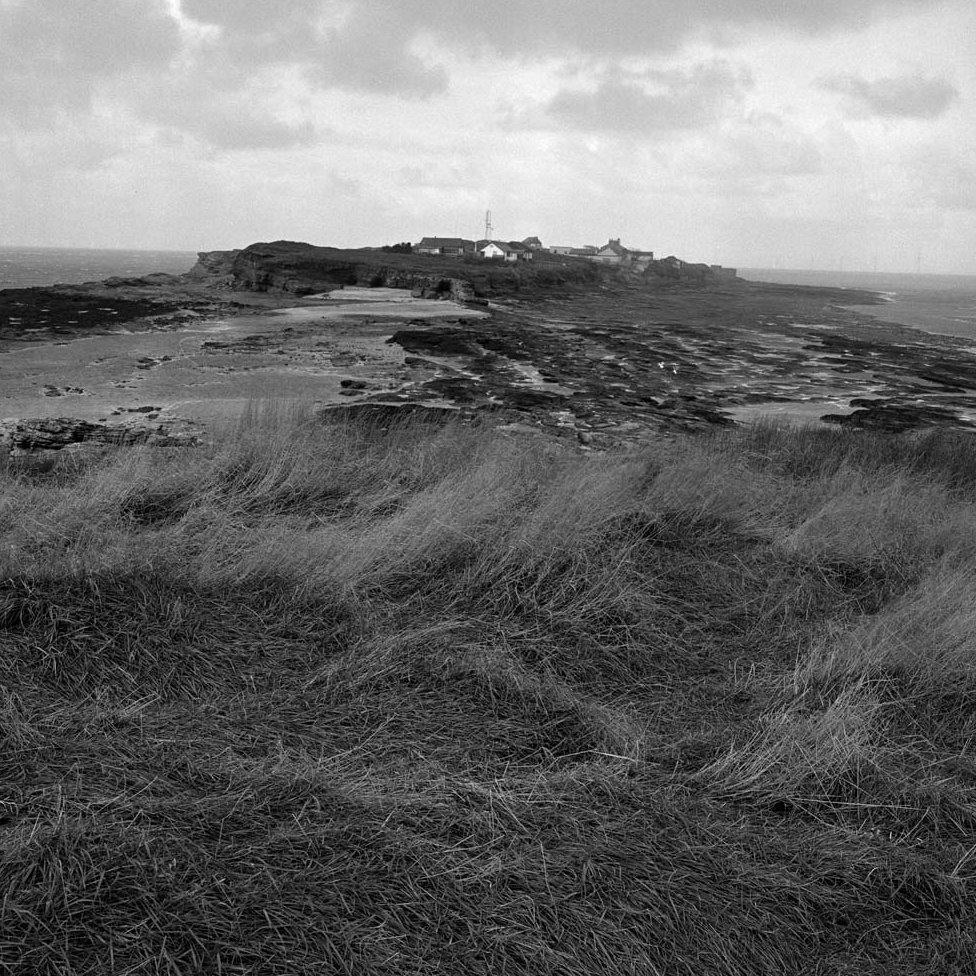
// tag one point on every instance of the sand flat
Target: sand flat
(204, 370)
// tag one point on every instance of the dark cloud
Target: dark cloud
(629, 27)
(252, 16)
(368, 44)
(254, 33)
(360, 46)
(98, 36)
(514, 26)
(901, 97)
(56, 56)
(654, 101)
(374, 61)
(53, 54)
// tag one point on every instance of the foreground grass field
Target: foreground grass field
(338, 698)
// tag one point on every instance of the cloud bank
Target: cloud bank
(899, 97)
(655, 101)
(167, 122)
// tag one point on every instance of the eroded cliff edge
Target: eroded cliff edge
(304, 269)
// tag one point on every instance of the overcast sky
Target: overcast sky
(836, 134)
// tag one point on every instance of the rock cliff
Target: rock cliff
(673, 271)
(304, 269)
(300, 269)
(216, 267)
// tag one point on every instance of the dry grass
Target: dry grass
(411, 699)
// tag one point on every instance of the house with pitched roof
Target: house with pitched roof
(613, 252)
(451, 246)
(504, 251)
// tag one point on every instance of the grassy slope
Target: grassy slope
(353, 700)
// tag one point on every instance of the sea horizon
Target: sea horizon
(37, 266)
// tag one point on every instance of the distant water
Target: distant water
(24, 267)
(944, 304)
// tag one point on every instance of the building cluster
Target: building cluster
(613, 252)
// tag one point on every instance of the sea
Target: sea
(943, 304)
(26, 267)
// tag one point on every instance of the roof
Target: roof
(615, 248)
(504, 246)
(532, 242)
(444, 242)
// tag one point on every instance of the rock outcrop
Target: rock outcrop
(216, 267)
(304, 269)
(158, 279)
(56, 433)
(672, 270)
(300, 269)
(455, 289)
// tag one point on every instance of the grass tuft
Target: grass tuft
(392, 697)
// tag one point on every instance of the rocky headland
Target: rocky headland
(560, 345)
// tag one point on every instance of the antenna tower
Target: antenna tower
(488, 226)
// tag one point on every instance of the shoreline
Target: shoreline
(603, 366)
(934, 304)
(966, 328)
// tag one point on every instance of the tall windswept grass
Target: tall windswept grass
(333, 695)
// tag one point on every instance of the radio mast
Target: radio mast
(488, 227)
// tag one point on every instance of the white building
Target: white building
(500, 251)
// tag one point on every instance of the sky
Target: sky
(831, 134)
